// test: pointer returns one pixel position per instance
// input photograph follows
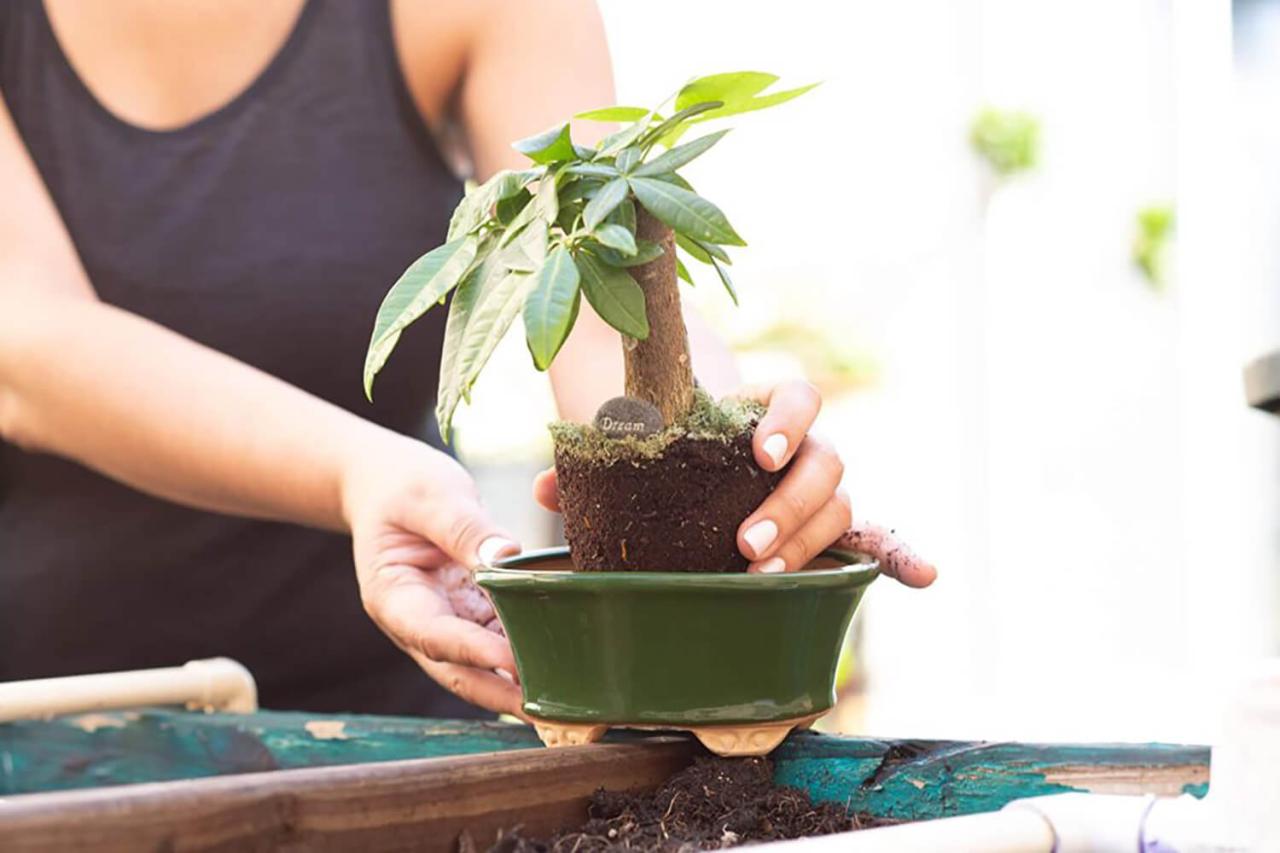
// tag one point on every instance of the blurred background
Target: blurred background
(1031, 246)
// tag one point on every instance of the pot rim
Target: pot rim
(860, 569)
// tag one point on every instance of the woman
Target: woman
(203, 204)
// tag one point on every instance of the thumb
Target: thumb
(545, 490)
(462, 528)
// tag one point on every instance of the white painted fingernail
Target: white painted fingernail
(489, 549)
(760, 536)
(772, 566)
(775, 447)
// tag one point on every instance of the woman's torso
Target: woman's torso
(267, 228)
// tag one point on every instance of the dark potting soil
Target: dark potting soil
(676, 512)
(715, 803)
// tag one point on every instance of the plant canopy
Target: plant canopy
(534, 242)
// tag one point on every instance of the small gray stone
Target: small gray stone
(624, 416)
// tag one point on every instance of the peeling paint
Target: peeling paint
(905, 779)
(92, 722)
(327, 729)
(913, 780)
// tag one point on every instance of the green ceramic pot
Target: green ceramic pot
(655, 648)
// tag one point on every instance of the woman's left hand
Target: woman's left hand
(808, 511)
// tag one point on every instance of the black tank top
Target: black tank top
(269, 230)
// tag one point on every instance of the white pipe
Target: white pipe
(216, 684)
(1014, 831)
(1061, 823)
(1090, 822)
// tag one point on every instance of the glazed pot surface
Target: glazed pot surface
(655, 648)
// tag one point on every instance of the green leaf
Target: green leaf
(678, 156)
(549, 309)
(726, 281)
(508, 209)
(616, 237)
(528, 252)
(549, 146)
(685, 212)
(760, 103)
(729, 87)
(612, 144)
(683, 272)
(423, 284)
(516, 226)
(677, 120)
(546, 201)
(592, 170)
(614, 114)
(614, 295)
(628, 159)
(609, 197)
(701, 251)
(646, 251)
(477, 206)
(673, 178)
(482, 310)
(625, 215)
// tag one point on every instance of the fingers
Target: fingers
(475, 686)
(807, 487)
(816, 535)
(896, 559)
(793, 406)
(420, 619)
(448, 639)
(467, 600)
(545, 490)
(462, 528)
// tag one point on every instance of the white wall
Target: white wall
(1071, 447)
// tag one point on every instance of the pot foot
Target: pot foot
(555, 734)
(744, 740)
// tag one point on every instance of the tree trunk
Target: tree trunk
(659, 369)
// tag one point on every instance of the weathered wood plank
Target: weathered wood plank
(421, 804)
(899, 779)
(92, 750)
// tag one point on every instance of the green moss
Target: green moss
(708, 420)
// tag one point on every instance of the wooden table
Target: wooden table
(165, 780)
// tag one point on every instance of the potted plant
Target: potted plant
(654, 622)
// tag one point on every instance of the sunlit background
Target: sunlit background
(1031, 375)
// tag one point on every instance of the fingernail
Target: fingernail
(760, 536)
(772, 566)
(775, 447)
(489, 549)
(506, 675)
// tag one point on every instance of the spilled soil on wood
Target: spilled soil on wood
(713, 804)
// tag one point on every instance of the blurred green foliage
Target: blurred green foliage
(1009, 140)
(1153, 230)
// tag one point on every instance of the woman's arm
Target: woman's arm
(139, 403)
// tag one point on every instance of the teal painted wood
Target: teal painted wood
(118, 748)
(914, 780)
(898, 779)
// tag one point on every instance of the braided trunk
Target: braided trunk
(658, 369)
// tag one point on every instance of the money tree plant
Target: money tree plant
(612, 223)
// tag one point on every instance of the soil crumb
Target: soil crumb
(713, 804)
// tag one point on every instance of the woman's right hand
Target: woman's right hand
(418, 528)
